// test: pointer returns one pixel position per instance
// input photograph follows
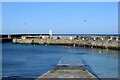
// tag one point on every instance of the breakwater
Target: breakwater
(106, 42)
(8, 38)
(5, 40)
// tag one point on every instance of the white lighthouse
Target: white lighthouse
(50, 32)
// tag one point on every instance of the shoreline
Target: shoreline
(90, 41)
(74, 43)
(70, 45)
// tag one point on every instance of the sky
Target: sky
(60, 17)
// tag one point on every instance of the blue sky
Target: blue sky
(60, 17)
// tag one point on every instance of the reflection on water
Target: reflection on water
(30, 61)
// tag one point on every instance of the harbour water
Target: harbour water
(31, 61)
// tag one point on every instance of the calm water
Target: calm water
(31, 61)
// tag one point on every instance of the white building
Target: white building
(50, 32)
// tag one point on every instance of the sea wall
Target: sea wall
(108, 44)
(2, 40)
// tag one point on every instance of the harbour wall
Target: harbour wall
(64, 40)
(5, 40)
